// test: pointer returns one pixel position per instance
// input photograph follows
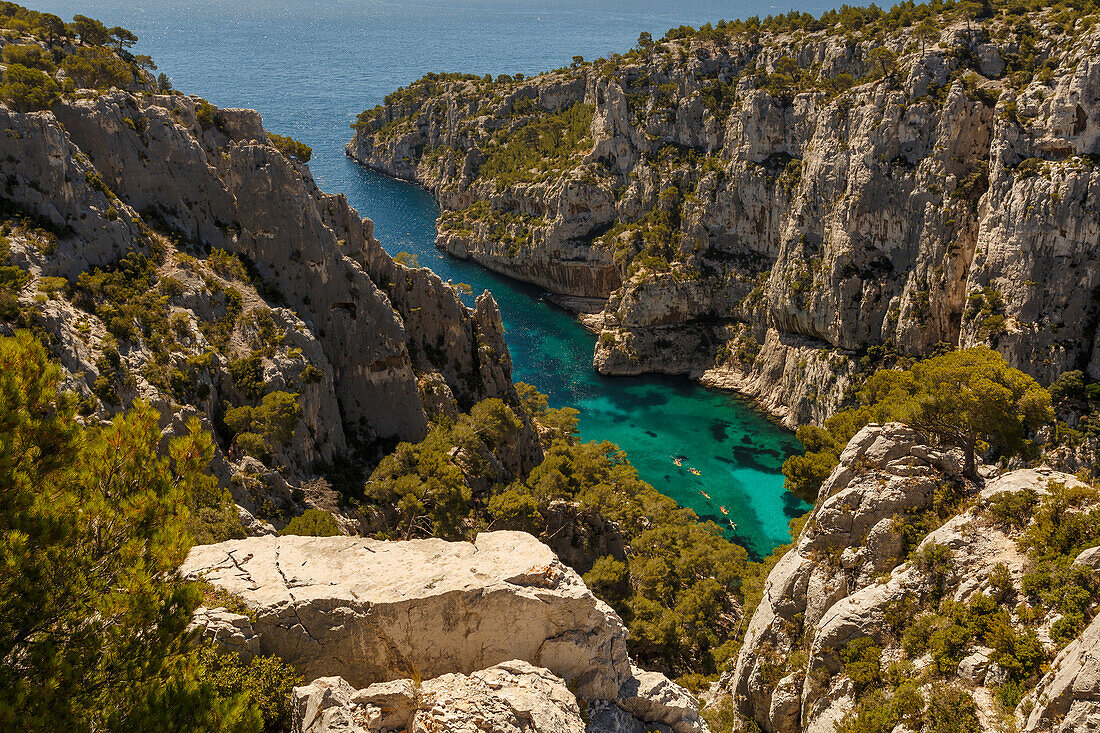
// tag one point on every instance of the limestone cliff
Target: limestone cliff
(172, 252)
(897, 544)
(772, 209)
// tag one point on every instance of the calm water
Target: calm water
(311, 67)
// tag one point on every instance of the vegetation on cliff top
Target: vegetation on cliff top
(969, 399)
(90, 55)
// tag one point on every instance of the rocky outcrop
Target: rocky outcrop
(229, 632)
(372, 612)
(854, 574)
(763, 212)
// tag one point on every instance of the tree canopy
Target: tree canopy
(968, 399)
(94, 523)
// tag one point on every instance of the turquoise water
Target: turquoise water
(311, 67)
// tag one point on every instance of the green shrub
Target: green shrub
(862, 659)
(28, 90)
(936, 561)
(227, 265)
(1009, 695)
(114, 377)
(12, 280)
(291, 148)
(1029, 167)
(252, 444)
(517, 510)
(881, 710)
(610, 580)
(951, 710)
(267, 681)
(272, 423)
(207, 115)
(238, 419)
(1013, 509)
(277, 417)
(311, 375)
(29, 55)
(96, 68)
(248, 375)
(313, 523)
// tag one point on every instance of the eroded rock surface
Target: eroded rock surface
(371, 611)
(374, 615)
(801, 227)
(852, 575)
(512, 697)
(1067, 699)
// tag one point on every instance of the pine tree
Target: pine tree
(93, 526)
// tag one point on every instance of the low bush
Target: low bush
(28, 90)
(312, 523)
(291, 148)
(96, 68)
(267, 681)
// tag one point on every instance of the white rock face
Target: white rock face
(371, 611)
(650, 696)
(848, 570)
(231, 632)
(511, 697)
(807, 226)
(500, 628)
(1067, 699)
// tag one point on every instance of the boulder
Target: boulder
(1089, 558)
(371, 611)
(650, 696)
(973, 667)
(230, 632)
(513, 697)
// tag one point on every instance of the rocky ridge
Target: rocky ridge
(862, 571)
(230, 275)
(358, 613)
(763, 210)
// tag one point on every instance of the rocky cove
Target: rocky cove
(652, 419)
(260, 474)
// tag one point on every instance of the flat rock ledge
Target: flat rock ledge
(365, 612)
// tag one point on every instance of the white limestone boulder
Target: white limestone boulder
(371, 611)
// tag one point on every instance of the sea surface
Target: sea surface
(311, 67)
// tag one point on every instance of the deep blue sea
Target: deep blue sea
(311, 67)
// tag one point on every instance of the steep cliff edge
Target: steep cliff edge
(171, 251)
(771, 208)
